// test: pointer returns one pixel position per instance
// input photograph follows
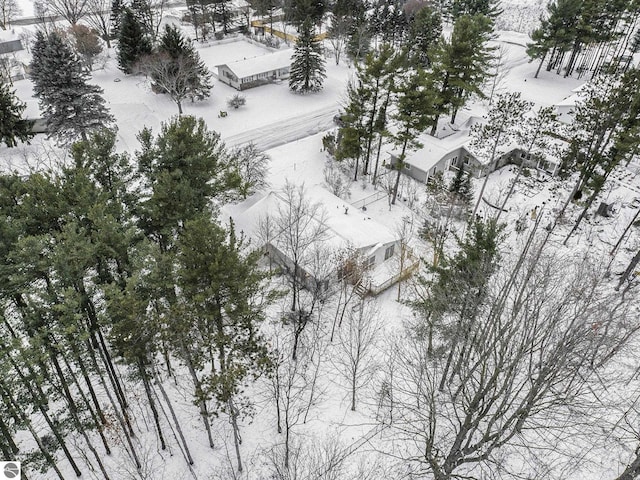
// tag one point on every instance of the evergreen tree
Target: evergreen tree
(556, 34)
(224, 13)
(184, 170)
(605, 133)
(117, 10)
(298, 11)
(71, 107)
(488, 8)
(352, 129)
(308, 64)
(224, 292)
(425, 28)
(13, 127)
(461, 187)
(176, 68)
(461, 64)
(359, 40)
(375, 79)
(414, 111)
(133, 43)
(493, 138)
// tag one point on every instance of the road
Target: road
(57, 18)
(287, 130)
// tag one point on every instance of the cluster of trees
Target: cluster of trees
(586, 36)
(171, 61)
(205, 14)
(506, 350)
(113, 257)
(399, 93)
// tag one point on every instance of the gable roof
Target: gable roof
(260, 64)
(353, 228)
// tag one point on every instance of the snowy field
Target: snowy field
(291, 126)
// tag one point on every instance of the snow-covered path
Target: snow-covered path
(287, 130)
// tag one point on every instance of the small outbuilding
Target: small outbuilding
(255, 71)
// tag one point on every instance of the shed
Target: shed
(255, 71)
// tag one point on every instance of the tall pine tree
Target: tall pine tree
(308, 66)
(133, 43)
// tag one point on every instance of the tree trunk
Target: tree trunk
(399, 166)
(490, 166)
(375, 170)
(152, 404)
(40, 399)
(204, 413)
(632, 265)
(540, 65)
(615, 248)
(173, 416)
(17, 413)
(237, 440)
(13, 448)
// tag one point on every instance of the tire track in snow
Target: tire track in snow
(287, 130)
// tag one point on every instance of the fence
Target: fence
(370, 199)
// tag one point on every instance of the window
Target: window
(454, 161)
(466, 159)
(388, 253)
(370, 262)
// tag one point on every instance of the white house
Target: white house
(255, 71)
(453, 148)
(373, 245)
(565, 108)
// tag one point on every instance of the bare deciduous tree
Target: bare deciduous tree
(98, 16)
(71, 10)
(9, 10)
(253, 165)
(357, 341)
(299, 230)
(526, 354)
(173, 76)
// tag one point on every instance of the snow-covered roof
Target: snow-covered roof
(353, 228)
(7, 36)
(435, 148)
(260, 64)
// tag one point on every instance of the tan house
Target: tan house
(255, 71)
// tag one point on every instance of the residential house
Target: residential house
(349, 230)
(565, 108)
(255, 71)
(452, 148)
